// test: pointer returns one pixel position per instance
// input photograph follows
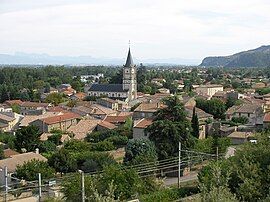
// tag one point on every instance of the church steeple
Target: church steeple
(129, 77)
(129, 61)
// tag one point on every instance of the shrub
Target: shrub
(118, 140)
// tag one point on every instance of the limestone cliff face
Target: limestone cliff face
(259, 57)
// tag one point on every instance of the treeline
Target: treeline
(24, 83)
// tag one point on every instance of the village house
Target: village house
(146, 110)
(164, 90)
(140, 127)
(254, 113)
(208, 90)
(109, 103)
(117, 120)
(16, 160)
(61, 122)
(33, 108)
(27, 119)
(266, 121)
(66, 89)
(221, 95)
(158, 81)
(64, 138)
(239, 137)
(78, 96)
(7, 122)
(95, 110)
(10, 103)
(203, 117)
(84, 127)
(104, 125)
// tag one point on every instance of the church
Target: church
(126, 91)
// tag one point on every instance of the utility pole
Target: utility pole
(179, 164)
(83, 188)
(217, 154)
(39, 187)
(6, 183)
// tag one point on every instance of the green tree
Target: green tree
(55, 98)
(16, 108)
(214, 106)
(248, 171)
(27, 138)
(195, 124)
(62, 161)
(140, 151)
(55, 138)
(127, 182)
(230, 102)
(29, 170)
(169, 127)
(241, 120)
(71, 187)
(2, 156)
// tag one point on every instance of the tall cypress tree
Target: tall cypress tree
(195, 124)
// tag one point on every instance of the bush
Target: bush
(118, 140)
(29, 170)
(102, 159)
(140, 151)
(169, 194)
(241, 119)
(104, 146)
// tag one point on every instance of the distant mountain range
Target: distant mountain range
(259, 57)
(45, 59)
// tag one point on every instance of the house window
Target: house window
(248, 115)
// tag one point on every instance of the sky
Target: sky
(157, 29)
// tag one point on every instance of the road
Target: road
(174, 180)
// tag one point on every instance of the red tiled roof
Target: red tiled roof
(9, 152)
(12, 102)
(106, 124)
(56, 109)
(116, 119)
(80, 95)
(144, 123)
(60, 118)
(266, 117)
(34, 104)
(149, 107)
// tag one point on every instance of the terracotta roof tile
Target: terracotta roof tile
(266, 117)
(12, 102)
(84, 127)
(6, 118)
(149, 107)
(107, 125)
(34, 104)
(20, 159)
(116, 119)
(60, 118)
(9, 152)
(144, 123)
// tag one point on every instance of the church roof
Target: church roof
(129, 61)
(107, 88)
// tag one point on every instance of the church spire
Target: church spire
(129, 61)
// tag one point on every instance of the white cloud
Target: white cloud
(156, 28)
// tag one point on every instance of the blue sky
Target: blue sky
(158, 29)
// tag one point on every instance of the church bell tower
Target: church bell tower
(129, 77)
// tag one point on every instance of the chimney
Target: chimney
(158, 105)
(37, 150)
